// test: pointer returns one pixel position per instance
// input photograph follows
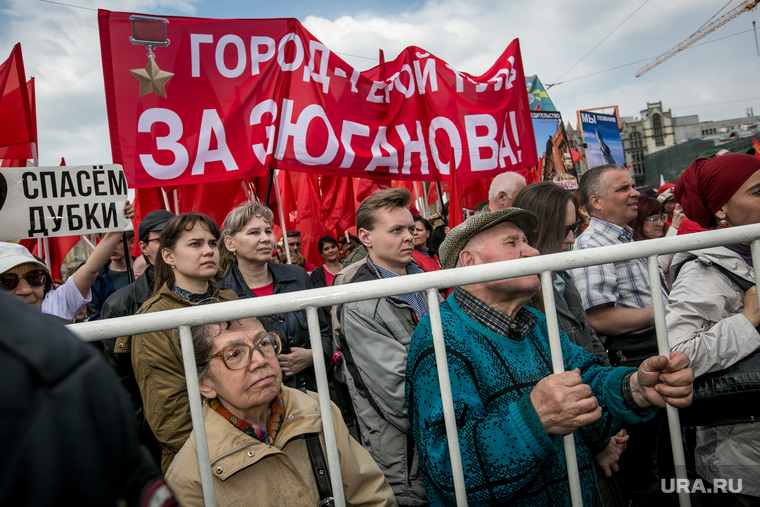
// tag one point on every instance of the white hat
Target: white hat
(13, 254)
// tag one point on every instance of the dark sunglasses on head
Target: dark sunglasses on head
(35, 278)
(575, 228)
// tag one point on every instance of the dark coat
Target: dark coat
(65, 427)
(122, 303)
(572, 319)
(101, 289)
(291, 326)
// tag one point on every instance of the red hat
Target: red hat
(664, 188)
(709, 183)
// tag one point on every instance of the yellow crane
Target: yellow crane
(702, 32)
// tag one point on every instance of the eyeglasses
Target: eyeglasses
(35, 278)
(575, 228)
(659, 219)
(238, 356)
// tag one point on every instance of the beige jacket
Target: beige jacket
(248, 472)
(160, 374)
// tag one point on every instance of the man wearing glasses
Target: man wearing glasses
(262, 436)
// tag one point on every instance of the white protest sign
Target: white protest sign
(38, 202)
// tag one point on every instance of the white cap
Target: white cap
(13, 254)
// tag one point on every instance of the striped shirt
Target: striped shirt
(624, 284)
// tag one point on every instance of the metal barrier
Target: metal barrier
(429, 283)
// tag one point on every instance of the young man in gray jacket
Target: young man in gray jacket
(375, 340)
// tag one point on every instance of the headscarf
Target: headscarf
(709, 183)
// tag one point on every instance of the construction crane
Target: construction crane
(699, 34)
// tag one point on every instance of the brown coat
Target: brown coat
(248, 472)
(160, 375)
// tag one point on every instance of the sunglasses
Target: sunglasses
(35, 278)
(575, 228)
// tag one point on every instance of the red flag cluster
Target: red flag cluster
(18, 124)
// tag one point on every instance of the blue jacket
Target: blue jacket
(507, 456)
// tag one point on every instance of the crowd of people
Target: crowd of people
(257, 376)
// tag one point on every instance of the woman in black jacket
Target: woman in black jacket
(246, 268)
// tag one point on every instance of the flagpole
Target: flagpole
(269, 186)
(440, 200)
(247, 190)
(165, 197)
(127, 258)
(282, 216)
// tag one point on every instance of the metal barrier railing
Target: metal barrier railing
(311, 300)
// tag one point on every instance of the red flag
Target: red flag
(212, 199)
(473, 192)
(307, 221)
(59, 248)
(338, 212)
(18, 134)
(432, 196)
(30, 90)
(368, 186)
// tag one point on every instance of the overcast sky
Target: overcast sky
(717, 79)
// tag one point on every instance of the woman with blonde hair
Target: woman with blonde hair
(247, 269)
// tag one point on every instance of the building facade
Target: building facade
(652, 131)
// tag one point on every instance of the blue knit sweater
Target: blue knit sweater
(507, 456)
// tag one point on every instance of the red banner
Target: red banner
(221, 99)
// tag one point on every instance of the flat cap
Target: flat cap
(459, 236)
(153, 221)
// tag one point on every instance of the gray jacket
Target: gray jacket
(705, 323)
(376, 335)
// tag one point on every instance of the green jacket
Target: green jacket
(160, 375)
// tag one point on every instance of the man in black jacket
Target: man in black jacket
(65, 432)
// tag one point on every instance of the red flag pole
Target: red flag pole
(455, 206)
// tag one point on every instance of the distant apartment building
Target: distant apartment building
(677, 141)
(689, 127)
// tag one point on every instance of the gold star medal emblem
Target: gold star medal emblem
(152, 79)
(150, 31)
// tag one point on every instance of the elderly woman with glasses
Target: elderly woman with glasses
(263, 436)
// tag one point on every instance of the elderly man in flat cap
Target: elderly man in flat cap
(510, 409)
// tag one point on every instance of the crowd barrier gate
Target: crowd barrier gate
(311, 300)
